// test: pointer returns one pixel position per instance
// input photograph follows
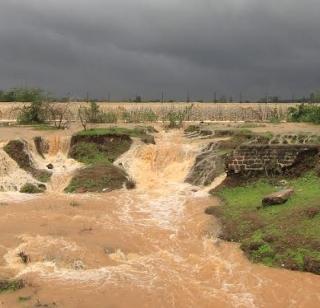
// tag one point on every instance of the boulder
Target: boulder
(50, 166)
(276, 198)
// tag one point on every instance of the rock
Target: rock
(208, 165)
(279, 197)
(283, 183)
(50, 166)
(42, 145)
(42, 187)
(148, 139)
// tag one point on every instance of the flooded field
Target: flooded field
(148, 247)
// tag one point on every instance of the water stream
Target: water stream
(149, 247)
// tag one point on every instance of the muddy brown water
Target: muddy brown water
(149, 247)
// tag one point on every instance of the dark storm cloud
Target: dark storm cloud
(144, 46)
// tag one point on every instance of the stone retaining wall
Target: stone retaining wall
(255, 158)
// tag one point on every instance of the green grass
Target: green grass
(134, 132)
(98, 149)
(11, 285)
(286, 235)
(44, 127)
(24, 298)
(249, 125)
(97, 178)
(29, 188)
(89, 153)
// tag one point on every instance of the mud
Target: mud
(148, 247)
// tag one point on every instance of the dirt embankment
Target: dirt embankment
(111, 146)
(18, 151)
(98, 152)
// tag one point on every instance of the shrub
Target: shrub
(138, 116)
(304, 113)
(11, 285)
(93, 114)
(22, 95)
(29, 188)
(35, 113)
(74, 203)
(176, 117)
(88, 153)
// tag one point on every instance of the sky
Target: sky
(145, 47)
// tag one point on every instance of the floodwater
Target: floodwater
(148, 247)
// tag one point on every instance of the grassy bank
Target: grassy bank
(98, 149)
(283, 236)
(99, 177)
(134, 132)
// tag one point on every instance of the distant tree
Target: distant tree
(60, 115)
(24, 95)
(83, 116)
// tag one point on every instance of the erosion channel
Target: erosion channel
(152, 246)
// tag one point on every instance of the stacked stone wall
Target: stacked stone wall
(255, 158)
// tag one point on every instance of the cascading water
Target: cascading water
(12, 177)
(148, 247)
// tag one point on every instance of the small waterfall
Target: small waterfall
(154, 166)
(59, 144)
(12, 177)
(42, 153)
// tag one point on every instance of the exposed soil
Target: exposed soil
(17, 150)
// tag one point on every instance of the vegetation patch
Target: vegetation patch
(192, 129)
(103, 145)
(119, 131)
(44, 127)
(284, 235)
(11, 285)
(305, 113)
(17, 150)
(24, 298)
(98, 149)
(29, 188)
(99, 177)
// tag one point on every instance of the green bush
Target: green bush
(22, 95)
(35, 113)
(88, 153)
(176, 117)
(11, 285)
(305, 113)
(29, 188)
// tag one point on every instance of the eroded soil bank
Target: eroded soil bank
(148, 247)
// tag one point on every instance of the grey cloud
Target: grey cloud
(140, 46)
